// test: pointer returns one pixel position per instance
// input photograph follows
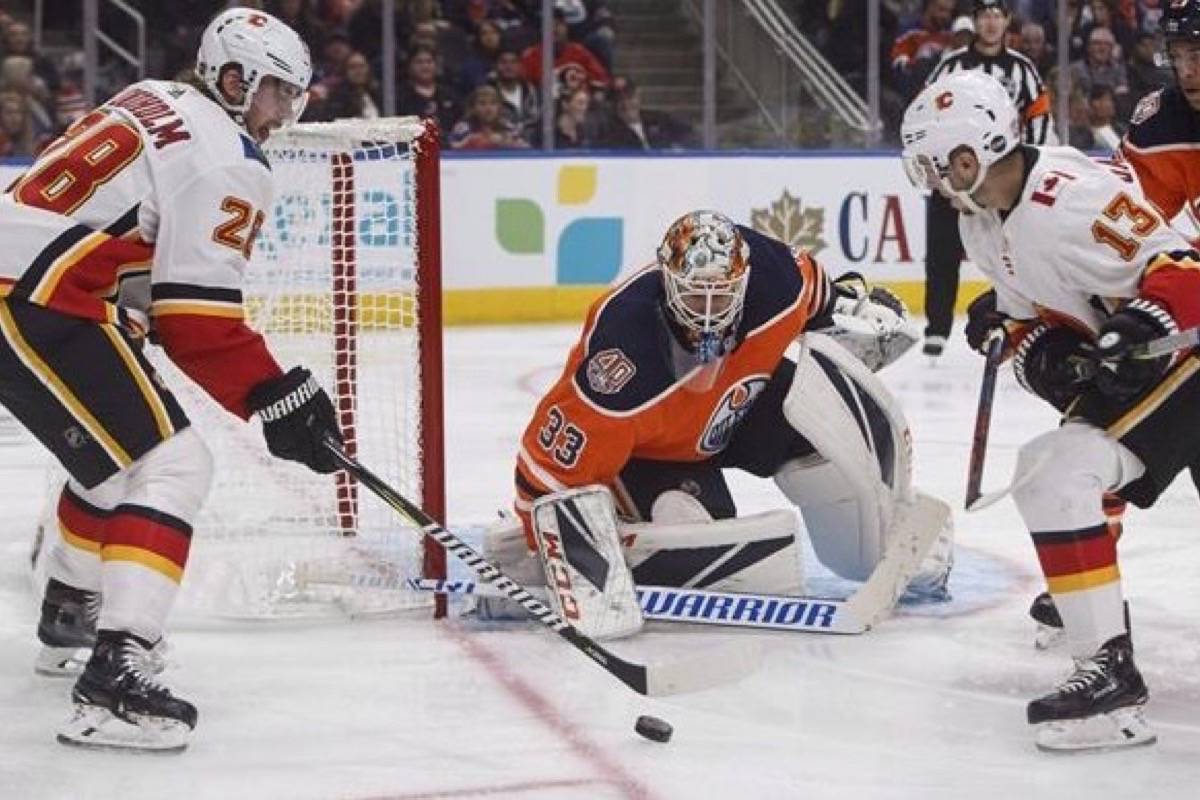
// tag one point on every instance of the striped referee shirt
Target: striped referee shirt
(1018, 75)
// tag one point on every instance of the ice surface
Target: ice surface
(929, 705)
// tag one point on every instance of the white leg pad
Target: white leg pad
(586, 577)
(851, 491)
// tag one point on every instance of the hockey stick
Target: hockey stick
(1165, 345)
(983, 417)
(917, 524)
(655, 679)
(699, 606)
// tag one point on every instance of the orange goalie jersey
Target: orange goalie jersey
(621, 396)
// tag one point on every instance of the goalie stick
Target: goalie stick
(917, 525)
(699, 606)
(653, 679)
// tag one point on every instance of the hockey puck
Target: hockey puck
(653, 728)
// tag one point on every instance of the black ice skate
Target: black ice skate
(117, 704)
(1098, 707)
(67, 629)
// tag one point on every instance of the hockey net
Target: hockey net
(344, 280)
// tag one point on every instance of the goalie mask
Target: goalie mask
(705, 265)
(961, 110)
(256, 45)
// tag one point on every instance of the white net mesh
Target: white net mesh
(333, 286)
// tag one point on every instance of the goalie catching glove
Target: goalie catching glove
(870, 322)
(297, 415)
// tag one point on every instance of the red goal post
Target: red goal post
(345, 279)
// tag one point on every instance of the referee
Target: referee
(943, 247)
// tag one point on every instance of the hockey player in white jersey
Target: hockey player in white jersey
(141, 219)
(1085, 269)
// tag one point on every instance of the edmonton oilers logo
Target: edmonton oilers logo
(732, 407)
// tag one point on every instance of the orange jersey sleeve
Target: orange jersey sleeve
(623, 394)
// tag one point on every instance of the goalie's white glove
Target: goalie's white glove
(870, 322)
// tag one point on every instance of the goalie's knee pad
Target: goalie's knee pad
(758, 553)
(848, 491)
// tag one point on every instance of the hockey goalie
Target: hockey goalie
(682, 372)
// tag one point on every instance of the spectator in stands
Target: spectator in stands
(1035, 47)
(1102, 118)
(1105, 14)
(572, 130)
(962, 30)
(423, 95)
(364, 26)
(520, 99)
(590, 23)
(16, 75)
(299, 16)
(485, 127)
(357, 94)
(480, 62)
(18, 41)
(1145, 75)
(630, 127)
(16, 127)
(69, 103)
(515, 18)
(1101, 65)
(566, 54)
(917, 51)
(329, 62)
(1079, 131)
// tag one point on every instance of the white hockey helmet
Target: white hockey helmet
(962, 109)
(705, 264)
(258, 45)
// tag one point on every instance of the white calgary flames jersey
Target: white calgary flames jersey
(151, 202)
(1081, 238)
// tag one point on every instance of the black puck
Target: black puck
(653, 728)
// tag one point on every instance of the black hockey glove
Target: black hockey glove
(296, 415)
(1054, 363)
(982, 319)
(1121, 376)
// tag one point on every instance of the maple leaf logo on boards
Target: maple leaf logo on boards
(791, 223)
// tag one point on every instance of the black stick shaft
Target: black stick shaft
(983, 417)
(632, 675)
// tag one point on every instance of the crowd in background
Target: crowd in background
(473, 65)
(476, 65)
(1112, 46)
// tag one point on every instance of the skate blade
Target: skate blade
(1046, 637)
(99, 729)
(1124, 727)
(61, 662)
